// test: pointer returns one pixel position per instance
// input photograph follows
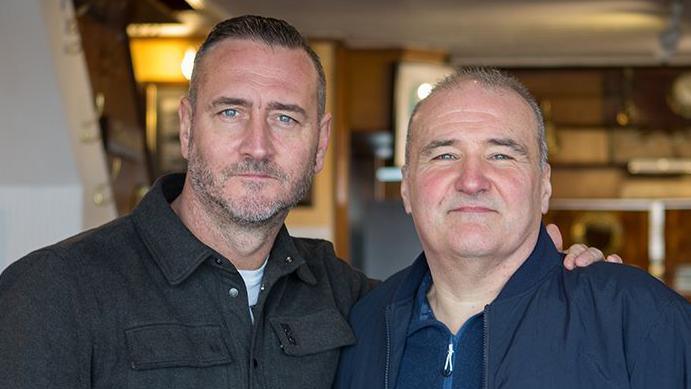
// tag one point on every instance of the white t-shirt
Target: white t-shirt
(253, 283)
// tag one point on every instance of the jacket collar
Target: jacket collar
(540, 261)
(178, 253)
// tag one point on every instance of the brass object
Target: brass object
(101, 192)
(628, 114)
(657, 270)
(599, 229)
(100, 195)
(679, 95)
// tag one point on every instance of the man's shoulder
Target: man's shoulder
(612, 276)
(375, 302)
(624, 287)
(325, 265)
(88, 247)
(320, 252)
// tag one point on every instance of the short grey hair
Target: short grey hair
(272, 32)
(490, 78)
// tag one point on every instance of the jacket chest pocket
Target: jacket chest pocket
(310, 346)
(176, 356)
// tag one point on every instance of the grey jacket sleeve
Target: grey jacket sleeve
(43, 343)
(664, 360)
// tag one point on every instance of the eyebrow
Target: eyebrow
(276, 106)
(510, 143)
(226, 101)
(505, 142)
(435, 144)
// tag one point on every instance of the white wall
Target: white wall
(47, 174)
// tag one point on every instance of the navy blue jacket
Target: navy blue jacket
(603, 326)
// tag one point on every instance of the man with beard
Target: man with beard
(201, 286)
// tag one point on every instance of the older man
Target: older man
(201, 286)
(488, 303)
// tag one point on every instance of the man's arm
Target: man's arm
(42, 339)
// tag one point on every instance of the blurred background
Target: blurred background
(89, 91)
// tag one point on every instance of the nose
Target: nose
(472, 178)
(257, 142)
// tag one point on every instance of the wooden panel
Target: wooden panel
(632, 143)
(562, 83)
(581, 146)
(656, 187)
(370, 77)
(341, 144)
(576, 95)
(586, 183)
(576, 111)
(678, 244)
(370, 88)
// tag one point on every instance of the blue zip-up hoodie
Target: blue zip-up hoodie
(603, 326)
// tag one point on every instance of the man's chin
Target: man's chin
(255, 212)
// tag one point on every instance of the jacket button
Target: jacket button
(233, 292)
(289, 259)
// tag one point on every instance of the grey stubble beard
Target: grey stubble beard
(250, 211)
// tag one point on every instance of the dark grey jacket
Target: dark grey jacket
(141, 303)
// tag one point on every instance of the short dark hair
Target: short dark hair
(490, 78)
(273, 32)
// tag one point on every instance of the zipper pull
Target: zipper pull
(448, 364)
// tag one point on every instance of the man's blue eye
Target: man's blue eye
(445, 157)
(285, 119)
(230, 113)
(501, 157)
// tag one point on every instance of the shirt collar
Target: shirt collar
(422, 312)
(541, 261)
(179, 253)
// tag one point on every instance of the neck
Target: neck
(245, 246)
(462, 287)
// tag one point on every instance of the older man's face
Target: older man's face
(253, 140)
(473, 183)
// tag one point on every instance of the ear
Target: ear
(323, 142)
(185, 116)
(404, 189)
(546, 188)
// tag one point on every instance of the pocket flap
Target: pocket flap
(313, 333)
(168, 345)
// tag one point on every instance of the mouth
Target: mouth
(472, 209)
(256, 176)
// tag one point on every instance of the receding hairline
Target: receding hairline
(270, 31)
(210, 50)
(488, 79)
